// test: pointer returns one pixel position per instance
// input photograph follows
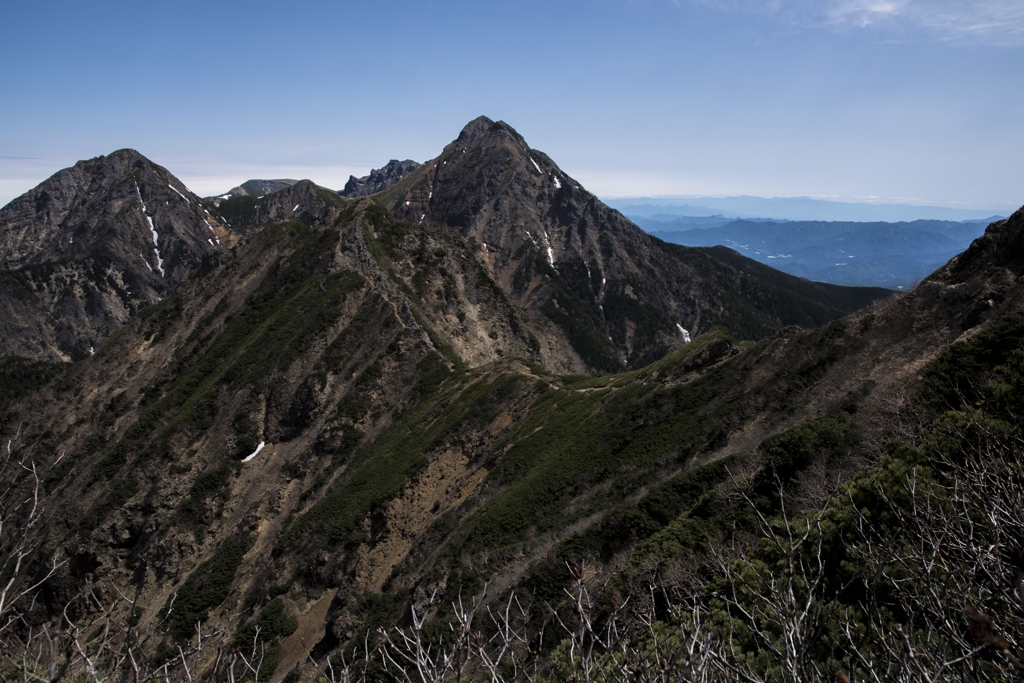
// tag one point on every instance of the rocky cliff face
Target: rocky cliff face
(91, 245)
(621, 297)
(379, 179)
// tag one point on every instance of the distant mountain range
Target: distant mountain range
(792, 208)
(877, 254)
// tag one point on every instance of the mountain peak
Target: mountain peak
(482, 127)
(379, 179)
(621, 297)
(90, 246)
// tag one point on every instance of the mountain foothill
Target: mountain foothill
(294, 420)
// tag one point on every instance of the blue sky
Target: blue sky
(918, 101)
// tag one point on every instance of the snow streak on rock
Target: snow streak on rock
(255, 452)
(179, 193)
(152, 229)
(686, 335)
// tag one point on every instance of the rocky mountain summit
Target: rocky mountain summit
(90, 246)
(622, 297)
(379, 179)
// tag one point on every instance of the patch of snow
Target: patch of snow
(255, 452)
(210, 241)
(146, 262)
(686, 335)
(139, 195)
(547, 243)
(422, 217)
(296, 208)
(558, 185)
(224, 196)
(429, 196)
(91, 352)
(407, 203)
(206, 212)
(152, 229)
(603, 281)
(535, 165)
(71, 240)
(179, 193)
(210, 226)
(156, 247)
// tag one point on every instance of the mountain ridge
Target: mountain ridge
(382, 409)
(602, 296)
(83, 251)
(292, 407)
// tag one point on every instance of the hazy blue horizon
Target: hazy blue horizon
(795, 209)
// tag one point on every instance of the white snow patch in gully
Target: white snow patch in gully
(156, 247)
(547, 243)
(558, 185)
(535, 165)
(253, 454)
(152, 229)
(686, 335)
(179, 193)
(146, 262)
(296, 208)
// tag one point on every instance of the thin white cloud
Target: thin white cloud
(995, 22)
